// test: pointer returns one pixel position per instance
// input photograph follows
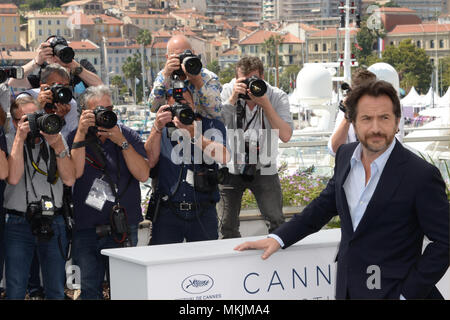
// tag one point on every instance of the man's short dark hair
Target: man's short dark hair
(249, 64)
(373, 89)
(362, 75)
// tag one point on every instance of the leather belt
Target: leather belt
(58, 211)
(188, 206)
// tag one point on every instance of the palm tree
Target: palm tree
(271, 45)
(144, 38)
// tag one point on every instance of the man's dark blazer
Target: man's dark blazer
(409, 202)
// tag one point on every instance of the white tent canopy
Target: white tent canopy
(411, 99)
(444, 101)
(427, 100)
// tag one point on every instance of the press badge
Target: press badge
(100, 193)
(190, 177)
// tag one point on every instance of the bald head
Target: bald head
(177, 44)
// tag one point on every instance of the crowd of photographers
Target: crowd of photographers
(70, 172)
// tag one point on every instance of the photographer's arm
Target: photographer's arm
(15, 159)
(87, 119)
(65, 166)
(153, 144)
(3, 165)
(339, 136)
(90, 78)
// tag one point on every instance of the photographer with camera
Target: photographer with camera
(262, 112)
(55, 96)
(183, 206)
(110, 161)
(202, 83)
(56, 50)
(39, 164)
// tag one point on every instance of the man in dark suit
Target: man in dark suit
(388, 199)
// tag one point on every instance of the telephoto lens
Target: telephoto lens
(47, 123)
(61, 94)
(105, 118)
(62, 50)
(191, 62)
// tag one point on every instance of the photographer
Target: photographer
(39, 165)
(187, 193)
(110, 161)
(56, 50)
(55, 96)
(202, 83)
(252, 105)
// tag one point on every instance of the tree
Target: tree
(214, 66)
(270, 47)
(412, 64)
(227, 74)
(131, 70)
(444, 72)
(288, 76)
(144, 38)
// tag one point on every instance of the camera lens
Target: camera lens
(258, 87)
(183, 112)
(62, 94)
(105, 118)
(193, 65)
(49, 123)
(64, 53)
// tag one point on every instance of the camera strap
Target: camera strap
(52, 174)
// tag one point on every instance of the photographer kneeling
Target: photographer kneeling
(184, 204)
(39, 165)
(109, 161)
(259, 114)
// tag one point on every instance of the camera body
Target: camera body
(42, 121)
(209, 176)
(61, 94)
(105, 118)
(257, 87)
(183, 112)
(119, 226)
(61, 49)
(10, 72)
(40, 217)
(248, 170)
(192, 63)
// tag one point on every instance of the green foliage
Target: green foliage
(144, 37)
(298, 189)
(227, 74)
(289, 73)
(444, 69)
(214, 66)
(412, 64)
(131, 70)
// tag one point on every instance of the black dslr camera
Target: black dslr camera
(257, 87)
(118, 229)
(61, 49)
(40, 217)
(191, 62)
(105, 118)
(181, 110)
(248, 170)
(42, 121)
(10, 72)
(345, 87)
(61, 94)
(209, 176)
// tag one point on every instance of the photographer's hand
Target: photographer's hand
(62, 109)
(163, 117)
(87, 119)
(54, 141)
(172, 64)
(45, 95)
(44, 53)
(238, 88)
(23, 128)
(114, 134)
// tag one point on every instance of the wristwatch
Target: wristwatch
(125, 145)
(77, 71)
(63, 154)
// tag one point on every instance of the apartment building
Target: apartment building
(434, 38)
(94, 27)
(426, 9)
(151, 22)
(289, 51)
(244, 10)
(9, 27)
(43, 25)
(326, 45)
(88, 50)
(84, 6)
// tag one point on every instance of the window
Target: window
(316, 47)
(441, 43)
(252, 49)
(432, 44)
(40, 22)
(324, 47)
(243, 49)
(58, 22)
(291, 48)
(49, 22)
(58, 32)
(95, 60)
(418, 44)
(40, 32)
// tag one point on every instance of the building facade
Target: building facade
(43, 25)
(244, 10)
(9, 27)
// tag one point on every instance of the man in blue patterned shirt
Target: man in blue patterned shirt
(205, 86)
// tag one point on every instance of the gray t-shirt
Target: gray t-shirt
(15, 198)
